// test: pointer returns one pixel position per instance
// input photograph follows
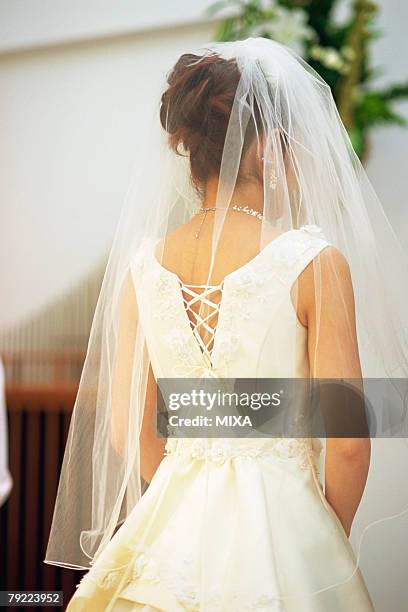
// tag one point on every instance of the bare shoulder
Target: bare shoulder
(328, 265)
(331, 258)
(327, 276)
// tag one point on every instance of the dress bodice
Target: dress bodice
(258, 334)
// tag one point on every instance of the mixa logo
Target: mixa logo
(233, 421)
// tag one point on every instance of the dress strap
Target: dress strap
(296, 249)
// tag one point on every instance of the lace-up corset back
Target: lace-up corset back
(202, 304)
(246, 326)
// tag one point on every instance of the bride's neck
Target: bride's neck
(248, 193)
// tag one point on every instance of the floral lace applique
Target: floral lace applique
(289, 252)
(227, 342)
(141, 568)
(178, 340)
(188, 594)
(312, 229)
(305, 450)
(250, 280)
(186, 591)
(166, 306)
(144, 568)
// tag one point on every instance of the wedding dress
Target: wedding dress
(272, 541)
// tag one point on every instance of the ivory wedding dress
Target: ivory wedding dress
(273, 542)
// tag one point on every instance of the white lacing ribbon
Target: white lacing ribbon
(202, 325)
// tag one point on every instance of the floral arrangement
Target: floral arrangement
(337, 50)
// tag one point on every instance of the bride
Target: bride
(249, 245)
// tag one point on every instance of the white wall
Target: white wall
(387, 166)
(43, 22)
(71, 117)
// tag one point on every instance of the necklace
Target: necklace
(244, 209)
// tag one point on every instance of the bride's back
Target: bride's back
(189, 256)
(187, 253)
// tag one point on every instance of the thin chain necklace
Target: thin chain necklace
(244, 209)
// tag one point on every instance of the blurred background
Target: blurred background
(77, 80)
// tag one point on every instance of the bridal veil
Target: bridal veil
(251, 108)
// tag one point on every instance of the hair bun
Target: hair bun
(195, 109)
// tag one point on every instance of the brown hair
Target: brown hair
(195, 110)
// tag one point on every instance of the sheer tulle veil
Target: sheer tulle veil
(281, 114)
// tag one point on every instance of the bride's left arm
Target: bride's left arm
(326, 307)
(144, 400)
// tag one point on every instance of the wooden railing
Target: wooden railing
(42, 368)
(38, 420)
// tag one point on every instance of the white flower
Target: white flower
(190, 600)
(345, 69)
(177, 339)
(288, 26)
(197, 450)
(328, 56)
(227, 342)
(144, 568)
(315, 52)
(332, 58)
(109, 579)
(245, 277)
(317, 446)
(170, 446)
(245, 313)
(250, 281)
(253, 452)
(348, 52)
(267, 5)
(140, 563)
(220, 452)
(288, 447)
(289, 253)
(166, 304)
(162, 281)
(311, 229)
(250, 278)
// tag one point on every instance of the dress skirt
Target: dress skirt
(231, 526)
